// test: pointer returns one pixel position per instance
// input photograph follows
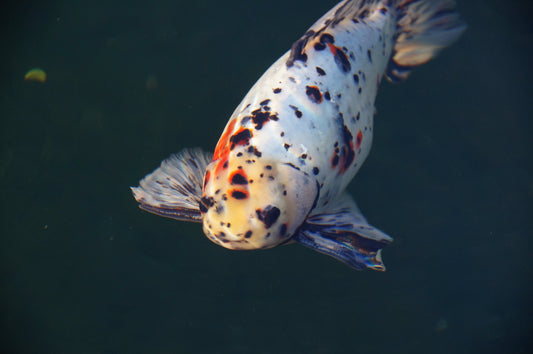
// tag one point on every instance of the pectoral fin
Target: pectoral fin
(342, 232)
(174, 189)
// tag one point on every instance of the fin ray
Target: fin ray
(343, 233)
(174, 189)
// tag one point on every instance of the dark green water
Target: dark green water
(83, 270)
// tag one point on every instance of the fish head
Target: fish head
(254, 203)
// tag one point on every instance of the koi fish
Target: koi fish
(279, 172)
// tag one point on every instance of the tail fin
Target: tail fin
(424, 28)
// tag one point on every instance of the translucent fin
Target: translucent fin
(424, 28)
(174, 189)
(343, 233)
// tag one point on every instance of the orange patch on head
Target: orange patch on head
(222, 147)
(222, 164)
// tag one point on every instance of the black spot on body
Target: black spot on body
(315, 171)
(348, 159)
(342, 60)
(283, 229)
(269, 216)
(264, 103)
(277, 90)
(327, 96)
(313, 93)
(243, 137)
(319, 46)
(327, 38)
(238, 179)
(297, 49)
(248, 234)
(207, 202)
(238, 195)
(203, 209)
(320, 71)
(295, 167)
(356, 79)
(260, 118)
(298, 114)
(335, 161)
(369, 54)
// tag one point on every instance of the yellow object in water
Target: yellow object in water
(35, 75)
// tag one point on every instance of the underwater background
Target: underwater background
(83, 270)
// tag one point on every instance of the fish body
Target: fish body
(280, 169)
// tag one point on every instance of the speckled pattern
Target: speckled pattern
(305, 128)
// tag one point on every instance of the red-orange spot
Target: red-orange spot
(221, 164)
(223, 142)
(332, 48)
(359, 140)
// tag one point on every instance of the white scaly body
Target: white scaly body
(289, 150)
(315, 134)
